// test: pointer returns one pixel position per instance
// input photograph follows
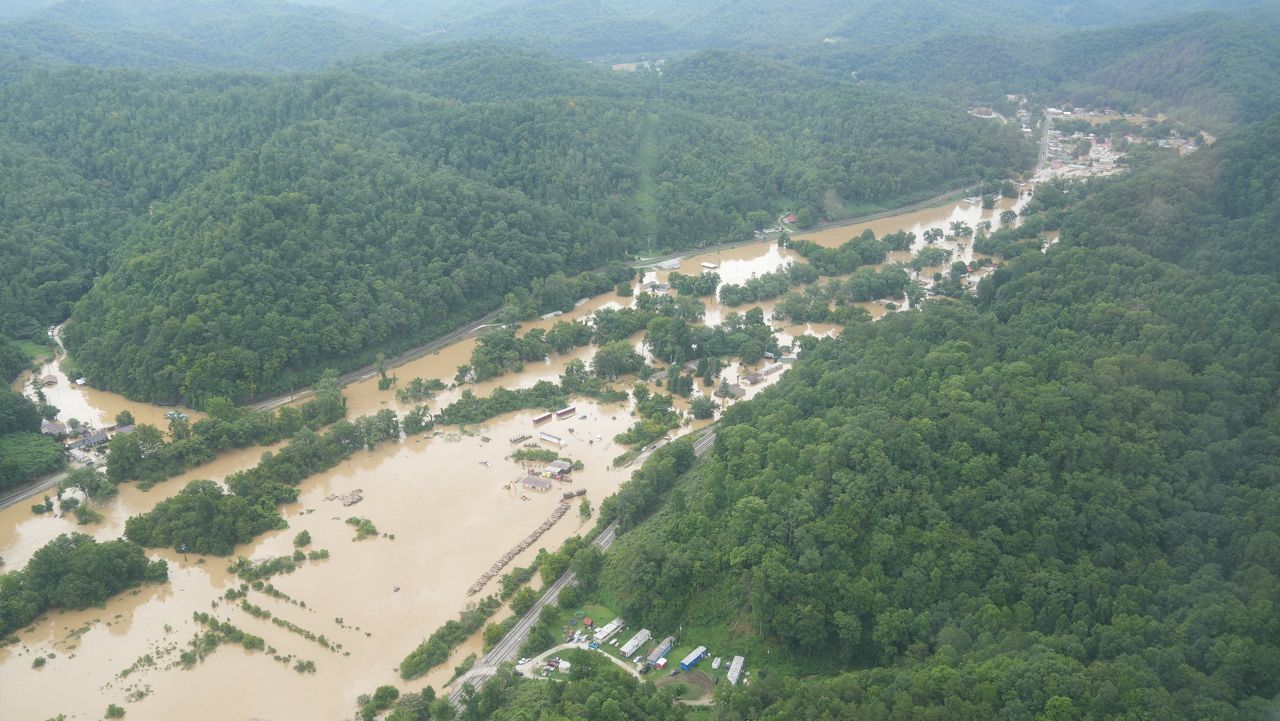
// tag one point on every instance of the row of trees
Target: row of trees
(145, 455)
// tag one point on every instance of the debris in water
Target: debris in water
(529, 540)
(348, 499)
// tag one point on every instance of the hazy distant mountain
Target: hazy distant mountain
(618, 26)
(18, 8)
(242, 34)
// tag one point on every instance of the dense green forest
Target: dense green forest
(245, 232)
(1054, 500)
(24, 453)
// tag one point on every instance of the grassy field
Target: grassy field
(37, 352)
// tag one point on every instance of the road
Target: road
(1044, 143)
(397, 360)
(529, 668)
(507, 649)
(40, 486)
(927, 203)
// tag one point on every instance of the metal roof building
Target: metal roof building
(603, 633)
(693, 658)
(661, 650)
(636, 642)
(536, 482)
(735, 669)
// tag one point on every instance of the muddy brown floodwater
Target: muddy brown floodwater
(447, 505)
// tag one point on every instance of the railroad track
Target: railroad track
(507, 649)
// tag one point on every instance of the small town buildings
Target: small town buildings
(88, 441)
(693, 658)
(735, 669)
(641, 638)
(557, 469)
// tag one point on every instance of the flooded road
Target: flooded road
(447, 505)
(89, 405)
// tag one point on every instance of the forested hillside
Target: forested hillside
(266, 35)
(1217, 66)
(1055, 501)
(249, 231)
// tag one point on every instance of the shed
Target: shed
(50, 380)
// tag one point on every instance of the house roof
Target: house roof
(536, 482)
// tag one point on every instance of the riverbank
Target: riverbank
(368, 371)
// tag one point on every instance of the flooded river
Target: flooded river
(447, 505)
